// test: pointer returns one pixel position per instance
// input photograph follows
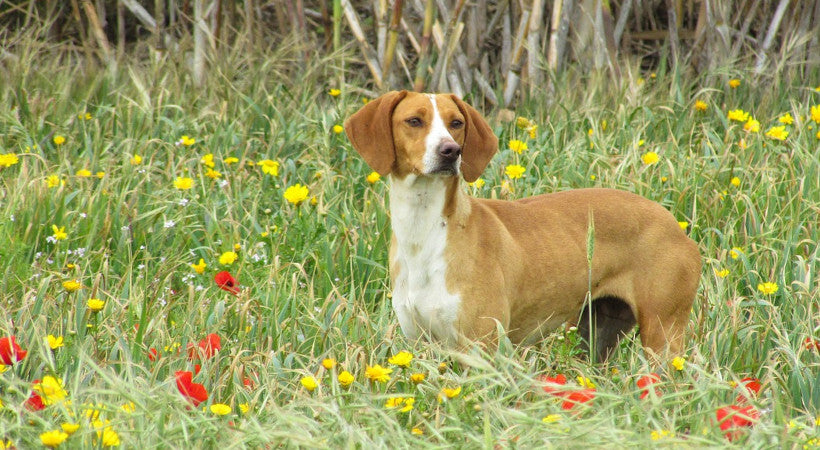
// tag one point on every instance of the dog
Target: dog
(461, 265)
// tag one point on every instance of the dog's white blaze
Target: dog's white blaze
(420, 297)
(438, 134)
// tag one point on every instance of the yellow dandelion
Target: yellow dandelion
(345, 379)
(230, 160)
(328, 363)
(751, 126)
(72, 285)
(735, 252)
(418, 377)
(296, 194)
(514, 171)
(678, 362)
(373, 177)
(213, 174)
(815, 113)
(722, 273)
(59, 140)
(767, 288)
(786, 119)
(449, 393)
(338, 129)
(187, 141)
(700, 105)
(208, 160)
(683, 225)
(417, 431)
(738, 115)
(136, 160)
(778, 133)
(334, 92)
(95, 304)
(8, 160)
(552, 418)
(70, 428)
(735, 181)
(228, 258)
(51, 390)
(59, 233)
(220, 409)
(244, 408)
(401, 359)
(517, 146)
(53, 438)
(309, 383)
(478, 183)
(585, 382)
(734, 83)
(269, 167)
(53, 181)
(650, 158)
(183, 183)
(83, 173)
(378, 373)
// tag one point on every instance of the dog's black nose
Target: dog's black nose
(450, 151)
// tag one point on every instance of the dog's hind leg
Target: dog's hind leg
(612, 318)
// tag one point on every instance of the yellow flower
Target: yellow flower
(722, 273)
(244, 408)
(373, 177)
(183, 183)
(515, 171)
(700, 105)
(517, 146)
(735, 252)
(72, 285)
(230, 160)
(208, 160)
(187, 141)
(83, 173)
(767, 288)
(417, 377)
(417, 431)
(128, 407)
(533, 131)
(53, 181)
(393, 402)
(786, 119)
(401, 359)
(213, 174)
(269, 167)
(95, 304)
(678, 362)
(552, 418)
(338, 129)
(8, 159)
(815, 113)
(735, 181)
(659, 434)
(378, 373)
(310, 383)
(334, 92)
(664, 179)
(136, 160)
(228, 258)
(108, 437)
(59, 140)
(99, 175)
(778, 133)
(53, 438)
(683, 225)
(50, 389)
(328, 363)
(199, 267)
(738, 115)
(734, 83)
(59, 233)
(585, 382)
(449, 393)
(296, 194)
(817, 135)
(220, 409)
(478, 183)
(650, 158)
(70, 428)
(523, 123)
(345, 379)
(54, 342)
(751, 126)
(442, 367)
(408, 404)
(314, 201)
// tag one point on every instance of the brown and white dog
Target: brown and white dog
(459, 265)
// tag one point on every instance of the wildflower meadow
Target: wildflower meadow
(205, 266)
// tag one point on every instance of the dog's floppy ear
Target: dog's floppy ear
(480, 143)
(370, 130)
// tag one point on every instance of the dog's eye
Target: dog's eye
(456, 124)
(414, 122)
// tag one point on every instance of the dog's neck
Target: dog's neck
(422, 205)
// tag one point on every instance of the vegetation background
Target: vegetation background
(145, 147)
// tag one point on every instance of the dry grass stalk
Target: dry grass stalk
(369, 55)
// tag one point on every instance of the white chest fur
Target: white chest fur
(420, 297)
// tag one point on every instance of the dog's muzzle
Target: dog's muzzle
(448, 156)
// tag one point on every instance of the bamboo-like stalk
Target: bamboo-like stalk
(337, 25)
(533, 38)
(512, 77)
(369, 55)
(199, 43)
(672, 7)
(623, 15)
(772, 31)
(380, 12)
(561, 14)
(424, 55)
(393, 36)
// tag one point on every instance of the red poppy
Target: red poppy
(153, 354)
(34, 402)
(648, 380)
(551, 385)
(577, 397)
(812, 344)
(207, 347)
(197, 369)
(734, 418)
(194, 392)
(227, 282)
(10, 352)
(750, 387)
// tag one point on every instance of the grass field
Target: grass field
(123, 180)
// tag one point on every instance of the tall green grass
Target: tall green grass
(314, 277)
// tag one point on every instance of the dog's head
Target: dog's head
(423, 134)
